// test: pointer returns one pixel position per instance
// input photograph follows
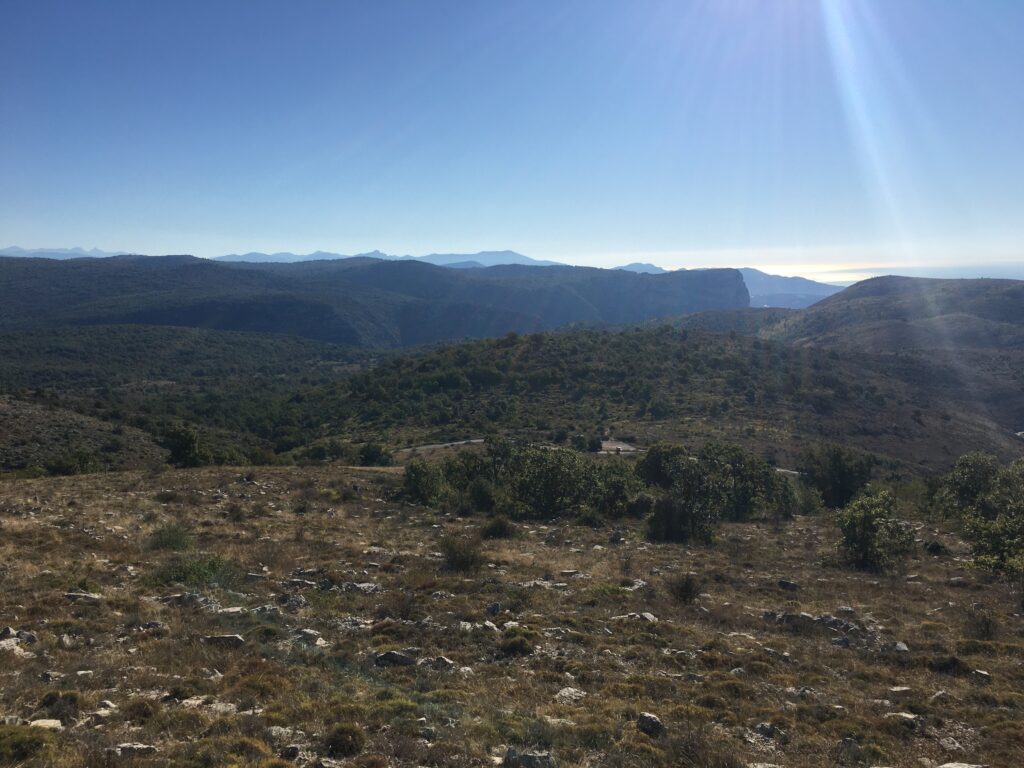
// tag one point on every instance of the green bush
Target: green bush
(345, 740)
(871, 538)
(172, 536)
(199, 571)
(498, 528)
(989, 501)
(424, 482)
(461, 553)
(22, 742)
(836, 472)
(684, 587)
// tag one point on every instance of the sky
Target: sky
(827, 138)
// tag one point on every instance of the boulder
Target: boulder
(650, 724)
(135, 750)
(527, 759)
(394, 659)
(225, 641)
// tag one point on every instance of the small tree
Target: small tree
(690, 511)
(182, 441)
(836, 472)
(424, 482)
(871, 538)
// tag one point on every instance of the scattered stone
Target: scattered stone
(962, 765)
(13, 646)
(650, 724)
(83, 597)
(394, 659)
(290, 752)
(438, 663)
(903, 717)
(789, 586)
(66, 642)
(313, 637)
(136, 750)
(47, 724)
(225, 641)
(950, 744)
(570, 695)
(650, 618)
(527, 759)
(897, 647)
(958, 581)
(365, 587)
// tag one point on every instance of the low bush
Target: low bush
(684, 587)
(22, 742)
(461, 553)
(345, 740)
(498, 528)
(173, 536)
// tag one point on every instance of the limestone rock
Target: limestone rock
(650, 724)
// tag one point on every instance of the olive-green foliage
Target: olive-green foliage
(461, 553)
(198, 571)
(989, 500)
(692, 508)
(721, 482)
(872, 538)
(173, 536)
(837, 472)
(21, 742)
(345, 740)
(182, 440)
(424, 482)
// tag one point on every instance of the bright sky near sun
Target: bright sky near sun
(807, 136)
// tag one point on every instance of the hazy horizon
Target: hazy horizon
(830, 139)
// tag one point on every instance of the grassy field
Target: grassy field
(228, 616)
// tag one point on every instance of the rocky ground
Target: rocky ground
(307, 617)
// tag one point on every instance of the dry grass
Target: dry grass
(299, 540)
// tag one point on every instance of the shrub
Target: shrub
(690, 511)
(424, 482)
(183, 443)
(989, 500)
(660, 464)
(836, 472)
(871, 538)
(173, 536)
(345, 740)
(62, 705)
(516, 642)
(461, 553)
(498, 528)
(22, 742)
(684, 587)
(200, 571)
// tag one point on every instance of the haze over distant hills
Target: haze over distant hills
(764, 289)
(360, 301)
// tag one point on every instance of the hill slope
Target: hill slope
(363, 302)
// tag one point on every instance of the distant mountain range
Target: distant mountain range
(765, 290)
(360, 301)
(463, 260)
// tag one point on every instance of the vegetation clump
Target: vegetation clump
(345, 740)
(872, 539)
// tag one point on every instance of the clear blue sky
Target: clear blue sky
(816, 134)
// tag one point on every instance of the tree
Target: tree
(872, 539)
(836, 472)
(182, 441)
(424, 482)
(690, 511)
